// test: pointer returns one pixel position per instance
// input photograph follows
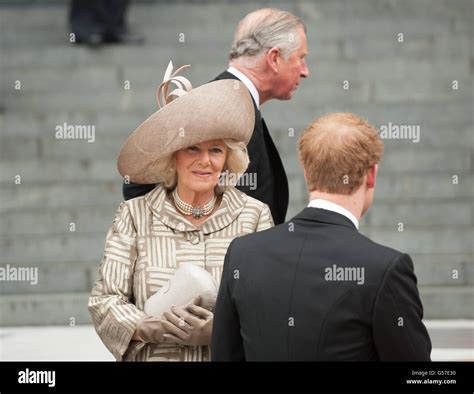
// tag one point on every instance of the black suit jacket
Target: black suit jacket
(278, 301)
(272, 183)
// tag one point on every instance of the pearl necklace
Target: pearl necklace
(188, 209)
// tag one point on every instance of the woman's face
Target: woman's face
(199, 166)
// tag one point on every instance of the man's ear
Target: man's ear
(305, 176)
(371, 176)
(272, 57)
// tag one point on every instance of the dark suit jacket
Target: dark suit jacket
(277, 301)
(265, 161)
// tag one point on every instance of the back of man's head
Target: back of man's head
(264, 29)
(337, 151)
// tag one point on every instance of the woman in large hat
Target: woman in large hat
(164, 252)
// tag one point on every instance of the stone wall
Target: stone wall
(397, 63)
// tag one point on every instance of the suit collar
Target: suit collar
(324, 216)
(226, 75)
(331, 206)
(248, 83)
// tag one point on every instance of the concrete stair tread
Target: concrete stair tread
(74, 181)
(44, 309)
(66, 307)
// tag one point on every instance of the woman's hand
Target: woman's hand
(189, 325)
(149, 330)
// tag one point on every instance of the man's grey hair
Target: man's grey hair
(264, 29)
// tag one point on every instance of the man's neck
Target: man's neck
(256, 78)
(353, 203)
(248, 83)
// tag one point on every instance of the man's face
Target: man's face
(291, 71)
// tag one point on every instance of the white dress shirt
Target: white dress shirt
(330, 206)
(248, 83)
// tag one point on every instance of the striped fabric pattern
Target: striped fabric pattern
(148, 240)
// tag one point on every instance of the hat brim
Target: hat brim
(216, 110)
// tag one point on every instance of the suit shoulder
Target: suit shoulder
(379, 248)
(225, 75)
(379, 258)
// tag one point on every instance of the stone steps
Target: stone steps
(452, 270)
(57, 221)
(61, 195)
(139, 65)
(68, 247)
(74, 181)
(110, 79)
(331, 19)
(84, 169)
(53, 277)
(43, 309)
(57, 170)
(104, 142)
(419, 215)
(68, 307)
(449, 302)
(390, 188)
(332, 94)
(61, 244)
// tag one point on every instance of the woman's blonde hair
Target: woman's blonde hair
(237, 161)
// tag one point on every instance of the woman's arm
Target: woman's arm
(114, 315)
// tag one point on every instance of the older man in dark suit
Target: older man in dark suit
(268, 56)
(315, 288)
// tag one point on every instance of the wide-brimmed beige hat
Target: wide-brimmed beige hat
(216, 110)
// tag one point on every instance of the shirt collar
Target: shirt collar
(248, 83)
(330, 206)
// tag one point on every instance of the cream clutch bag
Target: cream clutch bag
(188, 282)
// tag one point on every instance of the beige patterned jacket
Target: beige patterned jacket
(146, 243)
